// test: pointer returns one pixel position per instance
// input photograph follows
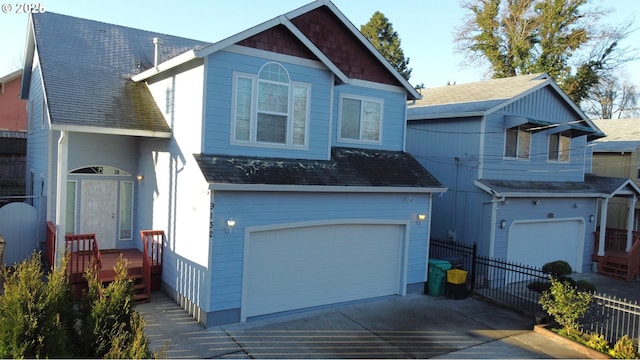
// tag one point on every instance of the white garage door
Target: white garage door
(295, 268)
(537, 243)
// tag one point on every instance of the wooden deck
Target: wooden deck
(144, 268)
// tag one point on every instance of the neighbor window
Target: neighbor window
(360, 119)
(517, 143)
(270, 108)
(126, 210)
(559, 147)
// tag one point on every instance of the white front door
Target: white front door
(98, 211)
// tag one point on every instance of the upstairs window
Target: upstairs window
(270, 108)
(559, 144)
(517, 143)
(360, 119)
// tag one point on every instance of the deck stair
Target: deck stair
(617, 262)
(135, 273)
(615, 265)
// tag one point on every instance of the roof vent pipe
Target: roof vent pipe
(156, 51)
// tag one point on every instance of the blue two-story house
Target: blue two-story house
(274, 160)
(513, 153)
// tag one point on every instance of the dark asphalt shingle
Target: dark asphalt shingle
(347, 167)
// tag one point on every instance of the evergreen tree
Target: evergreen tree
(379, 31)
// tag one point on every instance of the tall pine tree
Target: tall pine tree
(379, 31)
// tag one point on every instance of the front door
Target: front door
(98, 211)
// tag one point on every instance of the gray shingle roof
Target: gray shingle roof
(482, 95)
(621, 135)
(347, 167)
(593, 186)
(513, 188)
(87, 65)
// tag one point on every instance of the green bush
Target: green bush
(558, 268)
(584, 285)
(35, 317)
(115, 329)
(565, 304)
(39, 319)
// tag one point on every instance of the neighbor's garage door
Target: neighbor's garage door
(537, 243)
(301, 267)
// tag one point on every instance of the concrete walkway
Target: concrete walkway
(414, 326)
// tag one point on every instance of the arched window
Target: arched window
(270, 108)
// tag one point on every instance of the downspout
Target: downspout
(455, 197)
(61, 192)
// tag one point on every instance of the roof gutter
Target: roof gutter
(325, 189)
(169, 64)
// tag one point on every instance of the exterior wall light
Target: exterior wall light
(503, 224)
(421, 218)
(592, 218)
(231, 223)
(140, 177)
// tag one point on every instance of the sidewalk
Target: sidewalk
(413, 326)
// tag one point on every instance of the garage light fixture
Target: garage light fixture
(592, 218)
(503, 224)
(231, 223)
(421, 218)
(140, 177)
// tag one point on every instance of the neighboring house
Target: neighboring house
(13, 137)
(273, 160)
(513, 154)
(13, 110)
(617, 155)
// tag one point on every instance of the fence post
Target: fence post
(473, 266)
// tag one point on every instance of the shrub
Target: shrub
(625, 349)
(565, 304)
(115, 329)
(36, 319)
(558, 268)
(39, 319)
(598, 342)
(584, 285)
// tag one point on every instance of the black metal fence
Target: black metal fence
(516, 285)
(519, 287)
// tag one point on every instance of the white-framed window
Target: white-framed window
(70, 224)
(126, 210)
(360, 119)
(517, 143)
(270, 109)
(559, 144)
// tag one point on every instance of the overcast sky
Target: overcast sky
(425, 27)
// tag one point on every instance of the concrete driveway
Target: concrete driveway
(414, 326)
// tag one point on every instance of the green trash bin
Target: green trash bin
(437, 276)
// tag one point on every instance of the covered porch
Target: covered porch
(617, 251)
